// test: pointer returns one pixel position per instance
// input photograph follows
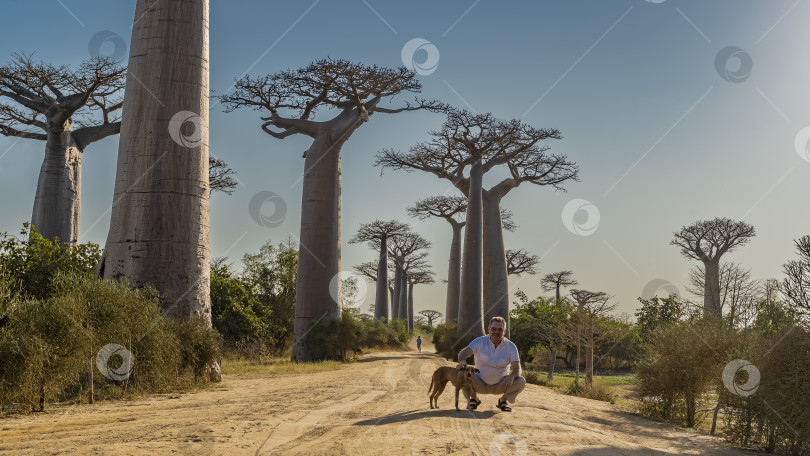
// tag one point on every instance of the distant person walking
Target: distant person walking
(419, 343)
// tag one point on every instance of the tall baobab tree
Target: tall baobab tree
(159, 226)
(370, 270)
(416, 278)
(380, 231)
(402, 247)
(447, 207)
(555, 281)
(590, 306)
(480, 142)
(69, 109)
(412, 264)
(707, 241)
(290, 98)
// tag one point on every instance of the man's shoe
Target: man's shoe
(504, 406)
(474, 403)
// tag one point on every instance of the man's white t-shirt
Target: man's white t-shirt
(491, 361)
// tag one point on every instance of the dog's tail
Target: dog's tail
(431, 386)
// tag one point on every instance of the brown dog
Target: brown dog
(460, 378)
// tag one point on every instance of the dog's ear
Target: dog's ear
(478, 371)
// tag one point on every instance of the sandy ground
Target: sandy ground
(378, 405)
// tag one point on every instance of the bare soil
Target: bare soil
(378, 405)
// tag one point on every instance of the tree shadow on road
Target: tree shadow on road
(412, 415)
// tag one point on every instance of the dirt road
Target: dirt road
(376, 406)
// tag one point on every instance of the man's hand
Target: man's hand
(462, 357)
(509, 382)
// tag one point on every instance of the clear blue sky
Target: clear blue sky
(661, 138)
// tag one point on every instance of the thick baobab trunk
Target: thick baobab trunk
(397, 287)
(381, 301)
(454, 274)
(159, 226)
(57, 202)
(470, 305)
(402, 305)
(711, 289)
(496, 284)
(410, 308)
(319, 253)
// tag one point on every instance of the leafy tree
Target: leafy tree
(656, 312)
(235, 311)
(272, 274)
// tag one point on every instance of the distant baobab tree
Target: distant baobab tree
(555, 281)
(69, 109)
(416, 277)
(480, 142)
(448, 208)
(707, 241)
(430, 315)
(401, 248)
(289, 98)
(380, 231)
(159, 225)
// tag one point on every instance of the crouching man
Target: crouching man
(494, 355)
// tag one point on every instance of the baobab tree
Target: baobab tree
(220, 176)
(708, 241)
(430, 315)
(380, 231)
(413, 264)
(402, 247)
(370, 269)
(69, 109)
(159, 226)
(290, 98)
(590, 306)
(415, 278)
(448, 208)
(739, 293)
(481, 142)
(555, 281)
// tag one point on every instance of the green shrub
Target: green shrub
(48, 346)
(595, 391)
(447, 340)
(681, 364)
(536, 378)
(31, 264)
